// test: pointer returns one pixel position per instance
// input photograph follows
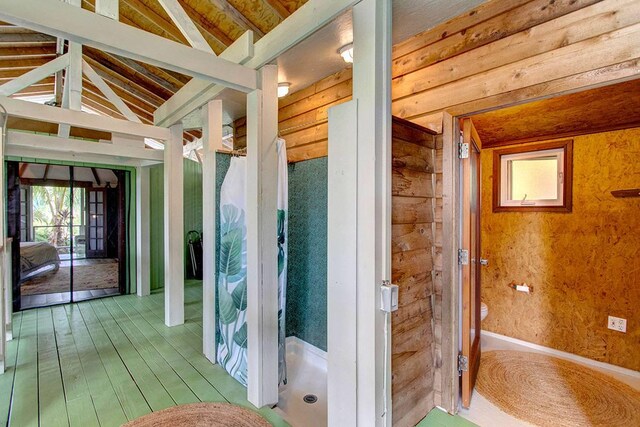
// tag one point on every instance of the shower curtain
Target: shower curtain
(283, 237)
(232, 273)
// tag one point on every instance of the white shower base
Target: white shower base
(306, 374)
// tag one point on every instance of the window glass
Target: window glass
(534, 179)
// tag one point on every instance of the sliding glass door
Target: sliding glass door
(70, 224)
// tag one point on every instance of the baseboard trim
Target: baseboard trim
(565, 355)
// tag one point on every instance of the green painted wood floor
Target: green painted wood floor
(103, 362)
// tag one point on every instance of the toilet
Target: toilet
(484, 310)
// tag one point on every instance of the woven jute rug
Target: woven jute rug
(201, 415)
(85, 278)
(547, 391)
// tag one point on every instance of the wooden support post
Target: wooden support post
(185, 25)
(262, 254)
(341, 261)
(143, 233)
(72, 95)
(372, 90)
(173, 229)
(108, 8)
(211, 141)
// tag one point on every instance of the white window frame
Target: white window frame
(505, 177)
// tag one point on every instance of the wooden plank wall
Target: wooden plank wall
(509, 51)
(413, 228)
(500, 53)
(302, 117)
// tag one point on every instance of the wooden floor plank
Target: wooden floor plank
(104, 362)
(172, 382)
(105, 401)
(6, 379)
(51, 393)
(24, 405)
(154, 392)
(129, 395)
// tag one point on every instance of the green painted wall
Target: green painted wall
(192, 213)
(306, 315)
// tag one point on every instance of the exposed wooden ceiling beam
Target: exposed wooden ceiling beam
(95, 176)
(23, 168)
(34, 76)
(32, 111)
(145, 79)
(157, 20)
(186, 26)
(81, 26)
(204, 24)
(143, 113)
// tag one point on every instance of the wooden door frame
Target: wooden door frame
(451, 223)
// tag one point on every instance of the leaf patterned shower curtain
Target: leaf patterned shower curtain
(232, 274)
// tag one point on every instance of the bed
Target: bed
(35, 256)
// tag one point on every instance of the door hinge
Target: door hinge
(463, 364)
(463, 257)
(463, 150)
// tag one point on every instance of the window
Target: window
(533, 177)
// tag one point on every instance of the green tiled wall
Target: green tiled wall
(307, 269)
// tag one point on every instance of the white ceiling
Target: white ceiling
(317, 56)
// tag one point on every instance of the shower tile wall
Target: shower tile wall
(307, 269)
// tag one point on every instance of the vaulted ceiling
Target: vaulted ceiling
(141, 86)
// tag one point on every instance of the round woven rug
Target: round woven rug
(201, 415)
(548, 391)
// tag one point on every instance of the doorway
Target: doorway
(557, 203)
(69, 229)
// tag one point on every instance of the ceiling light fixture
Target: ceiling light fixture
(346, 52)
(283, 89)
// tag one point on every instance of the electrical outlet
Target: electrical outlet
(617, 324)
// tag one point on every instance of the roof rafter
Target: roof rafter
(185, 25)
(62, 20)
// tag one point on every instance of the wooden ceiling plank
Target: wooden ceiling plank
(232, 13)
(7, 64)
(185, 25)
(22, 39)
(138, 107)
(24, 52)
(34, 76)
(278, 8)
(38, 89)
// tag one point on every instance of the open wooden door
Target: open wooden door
(96, 223)
(470, 259)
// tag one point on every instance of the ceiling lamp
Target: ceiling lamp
(346, 52)
(283, 89)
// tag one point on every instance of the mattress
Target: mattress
(35, 255)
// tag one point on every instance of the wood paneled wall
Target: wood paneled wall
(500, 53)
(583, 265)
(508, 51)
(302, 117)
(413, 228)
